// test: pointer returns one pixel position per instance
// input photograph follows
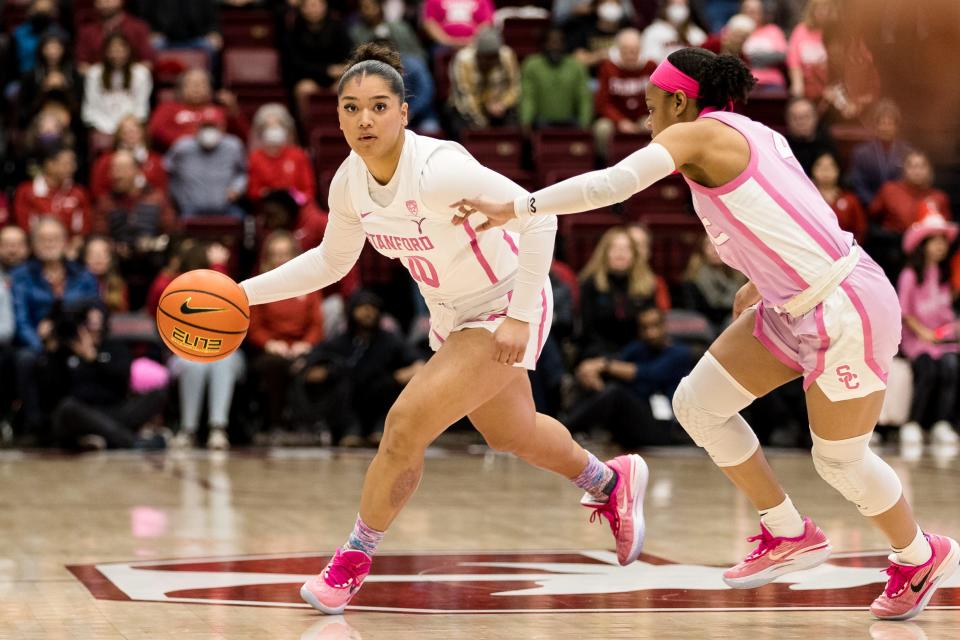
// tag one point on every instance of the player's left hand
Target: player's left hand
(497, 213)
(510, 340)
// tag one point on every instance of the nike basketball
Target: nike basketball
(203, 315)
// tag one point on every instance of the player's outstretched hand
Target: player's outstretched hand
(510, 341)
(497, 213)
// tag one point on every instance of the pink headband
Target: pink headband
(671, 80)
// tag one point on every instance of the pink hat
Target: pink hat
(931, 224)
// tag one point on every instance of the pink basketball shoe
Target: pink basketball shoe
(332, 590)
(624, 509)
(775, 557)
(910, 588)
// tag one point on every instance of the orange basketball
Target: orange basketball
(203, 315)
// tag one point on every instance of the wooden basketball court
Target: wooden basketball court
(191, 546)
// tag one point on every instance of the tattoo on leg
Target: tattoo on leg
(403, 486)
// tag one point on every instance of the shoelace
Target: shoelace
(898, 577)
(767, 542)
(341, 573)
(608, 511)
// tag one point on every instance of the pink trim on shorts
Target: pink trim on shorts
(475, 245)
(494, 316)
(511, 243)
(543, 322)
(821, 350)
(764, 249)
(746, 174)
(439, 337)
(805, 223)
(867, 332)
(770, 345)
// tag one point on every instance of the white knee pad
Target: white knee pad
(850, 467)
(707, 405)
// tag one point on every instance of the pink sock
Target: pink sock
(364, 538)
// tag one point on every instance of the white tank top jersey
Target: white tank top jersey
(453, 265)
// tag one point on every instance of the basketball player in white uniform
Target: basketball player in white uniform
(490, 309)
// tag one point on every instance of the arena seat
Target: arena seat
(560, 153)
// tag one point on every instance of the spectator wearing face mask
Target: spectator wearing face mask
(622, 81)
(53, 75)
(208, 171)
(276, 161)
(673, 29)
(564, 11)
(554, 87)
(592, 36)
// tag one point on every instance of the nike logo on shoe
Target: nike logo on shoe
(186, 309)
(364, 215)
(783, 554)
(917, 588)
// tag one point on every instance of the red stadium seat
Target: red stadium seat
(562, 152)
(669, 195)
(673, 238)
(251, 67)
(441, 73)
(623, 144)
(319, 113)
(247, 27)
(524, 35)
(500, 150)
(328, 150)
(767, 106)
(580, 235)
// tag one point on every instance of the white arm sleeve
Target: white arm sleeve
(321, 266)
(451, 175)
(601, 188)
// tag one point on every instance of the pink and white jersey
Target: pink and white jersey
(771, 223)
(453, 265)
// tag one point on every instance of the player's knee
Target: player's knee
(402, 433)
(707, 403)
(860, 475)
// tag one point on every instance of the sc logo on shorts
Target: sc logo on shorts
(847, 377)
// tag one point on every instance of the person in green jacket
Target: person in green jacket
(554, 89)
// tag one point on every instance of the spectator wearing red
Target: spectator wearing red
(806, 53)
(111, 18)
(194, 102)
(899, 202)
(130, 137)
(622, 81)
(53, 193)
(850, 213)
(276, 161)
(282, 332)
(454, 23)
(766, 48)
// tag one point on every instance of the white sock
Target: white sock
(783, 520)
(915, 553)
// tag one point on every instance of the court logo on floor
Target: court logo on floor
(497, 582)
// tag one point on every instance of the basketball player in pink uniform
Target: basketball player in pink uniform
(490, 308)
(816, 306)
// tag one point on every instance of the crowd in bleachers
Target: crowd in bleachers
(146, 138)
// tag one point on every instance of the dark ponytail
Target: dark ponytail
(375, 59)
(723, 79)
